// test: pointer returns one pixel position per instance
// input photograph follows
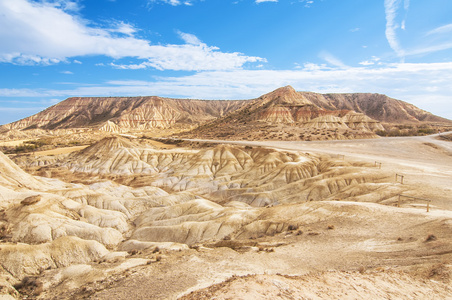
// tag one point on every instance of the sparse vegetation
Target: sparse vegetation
(446, 137)
(407, 130)
(430, 238)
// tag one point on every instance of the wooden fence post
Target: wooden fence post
(416, 198)
(401, 178)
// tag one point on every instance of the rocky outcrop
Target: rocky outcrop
(360, 121)
(277, 114)
(109, 126)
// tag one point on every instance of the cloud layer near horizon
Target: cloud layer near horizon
(420, 84)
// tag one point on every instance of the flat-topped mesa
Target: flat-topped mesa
(126, 112)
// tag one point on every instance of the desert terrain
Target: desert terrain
(94, 212)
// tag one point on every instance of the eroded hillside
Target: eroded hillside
(286, 114)
(152, 223)
(126, 113)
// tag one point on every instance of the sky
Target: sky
(222, 49)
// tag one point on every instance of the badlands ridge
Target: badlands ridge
(122, 216)
(283, 114)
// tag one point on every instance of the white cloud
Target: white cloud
(44, 33)
(430, 49)
(189, 38)
(370, 62)
(367, 63)
(391, 10)
(308, 3)
(123, 28)
(406, 4)
(170, 2)
(331, 59)
(67, 72)
(261, 1)
(441, 34)
(441, 30)
(313, 67)
(190, 57)
(66, 5)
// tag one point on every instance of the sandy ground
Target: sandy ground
(329, 285)
(57, 151)
(358, 251)
(372, 252)
(13, 143)
(160, 145)
(363, 257)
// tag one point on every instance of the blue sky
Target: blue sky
(222, 49)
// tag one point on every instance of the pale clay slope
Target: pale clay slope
(74, 224)
(330, 285)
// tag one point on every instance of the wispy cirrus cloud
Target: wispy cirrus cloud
(44, 32)
(332, 60)
(441, 30)
(392, 10)
(427, 49)
(437, 39)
